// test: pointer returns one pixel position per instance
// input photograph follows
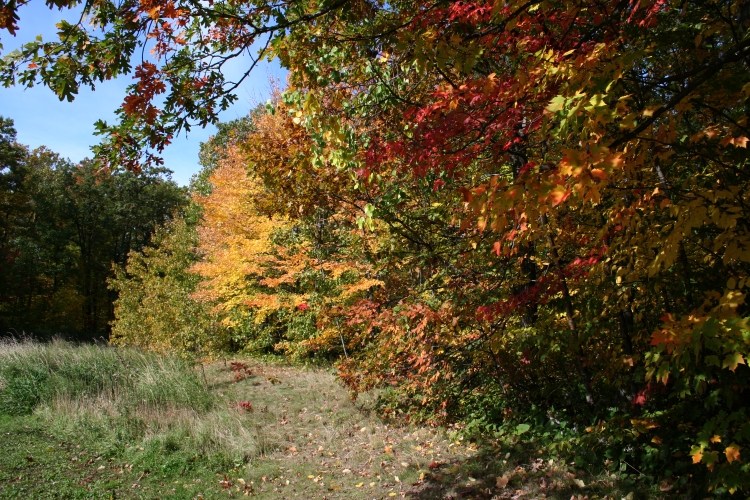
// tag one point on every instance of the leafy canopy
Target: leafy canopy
(553, 194)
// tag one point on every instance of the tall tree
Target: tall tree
(14, 204)
(81, 220)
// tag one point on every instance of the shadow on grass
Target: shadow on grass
(495, 473)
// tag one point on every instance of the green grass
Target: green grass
(96, 422)
(34, 374)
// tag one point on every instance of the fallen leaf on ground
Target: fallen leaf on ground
(502, 481)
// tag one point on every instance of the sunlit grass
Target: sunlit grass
(125, 423)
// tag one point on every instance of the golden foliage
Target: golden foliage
(235, 239)
(154, 310)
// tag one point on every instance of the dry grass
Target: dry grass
(319, 444)
(272, 432)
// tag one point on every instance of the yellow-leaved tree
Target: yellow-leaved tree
(235, 240)
(280, 256)
(154, 310)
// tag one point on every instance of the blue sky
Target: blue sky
(67, 127)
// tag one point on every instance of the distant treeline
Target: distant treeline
(62, 227)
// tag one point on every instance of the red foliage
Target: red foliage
(245, 405)
(241, 371)
(149, 86)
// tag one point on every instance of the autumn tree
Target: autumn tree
(596, 160)
(269, 244)
(556, 194)
(154, 309)
(234, 240)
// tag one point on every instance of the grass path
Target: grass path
(298, 436)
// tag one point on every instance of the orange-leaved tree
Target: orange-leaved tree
(278, 253)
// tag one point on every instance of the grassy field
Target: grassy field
(99, 422)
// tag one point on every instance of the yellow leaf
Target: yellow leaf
(716, 439)
(697, 457)
(733, 453)
(556, 104)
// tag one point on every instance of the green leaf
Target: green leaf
(369, 210)
(732, 360)
(556, 104)
(522, 428)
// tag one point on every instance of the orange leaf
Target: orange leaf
(558, 195)
(739, 142)
(697, 456)
(733, 453)
(497, 248)
(598, 173)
